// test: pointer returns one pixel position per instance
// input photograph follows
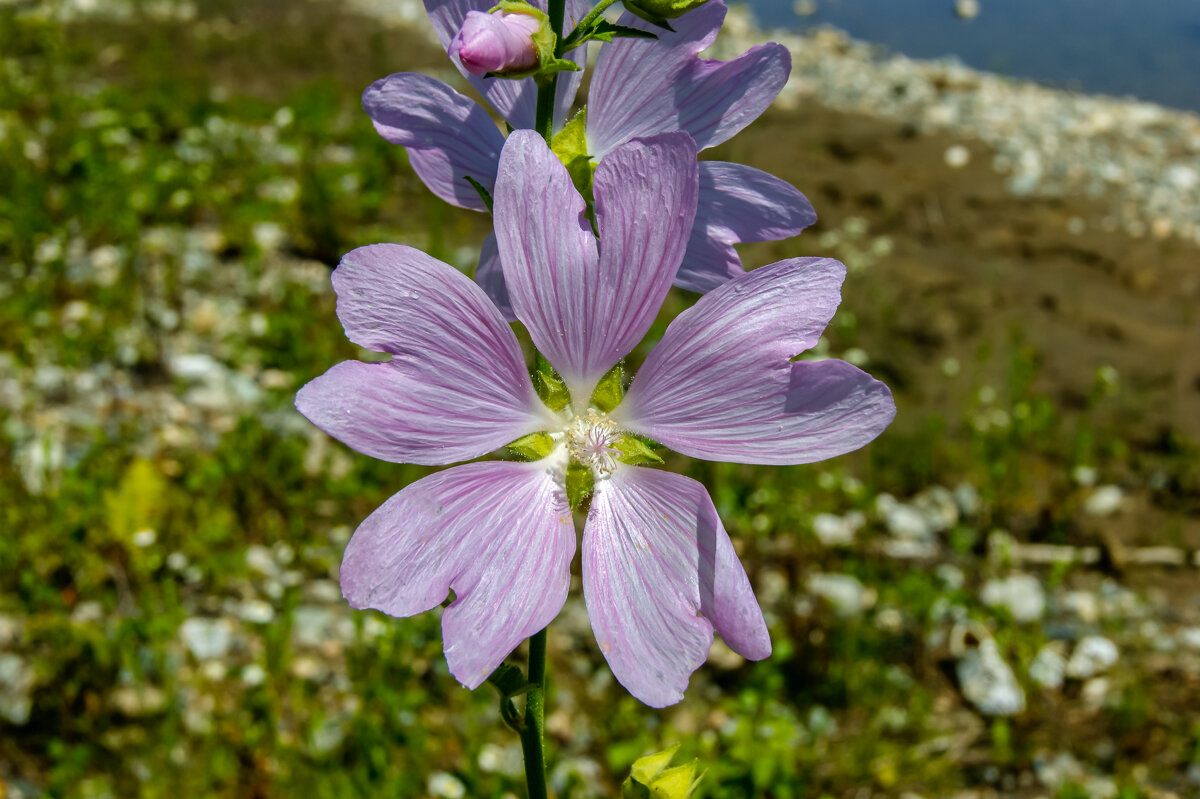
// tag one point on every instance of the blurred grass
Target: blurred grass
(241, 122)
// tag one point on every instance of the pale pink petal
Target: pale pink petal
(515, 100)
(585, 311)
(448, 136)
(659, 574)
(721, 384)
(675, 88)
(490, 277)
(499, 534)
(457, 385)
(737, 204)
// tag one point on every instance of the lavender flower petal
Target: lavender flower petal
(586, 311)
(457, 385)
(515, 100)
(659, 574)
(499, 534)
(448, 136)
(676, 89)
(721, 385)
(489, 274)
(737, 203)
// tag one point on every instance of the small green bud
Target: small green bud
(657, 12)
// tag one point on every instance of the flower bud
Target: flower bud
(658, 11)
(498, 42)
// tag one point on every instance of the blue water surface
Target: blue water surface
(1149, 49)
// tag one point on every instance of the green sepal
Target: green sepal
(570, 145)
(549, 386)
(483, 193)
(609, 391)
(544, 41)
(580, 483)
(635, 451)
(646, 768)
(650, 778)
(532, 447)
(510, 681)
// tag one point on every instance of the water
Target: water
(1149, 49)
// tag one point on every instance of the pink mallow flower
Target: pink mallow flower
(659, 572)
(640, 88)
(497, 42)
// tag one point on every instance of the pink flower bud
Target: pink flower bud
(499, 42)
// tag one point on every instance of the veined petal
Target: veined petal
(676, 89)
(737, 204)
(721, 384)
(585, 311)
(448, 136)
(490, 277)
(659, 574)
(515, 100)
(456, 387)
(499, 534)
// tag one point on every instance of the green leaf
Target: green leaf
(610, 390)
(549, 386)
(570, 145)
(534, 446)
(634, 451)
(483, 193)
(580, 483)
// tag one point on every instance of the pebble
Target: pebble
(1093, 655)
(957, 156)
(833, 530)
(987, 681)
(847, 595)
(1104, 501)
(1021, 594)
(16, 688)
(1049, 666)
(207, 638)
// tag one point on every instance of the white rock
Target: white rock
(966, 9)
(906, 522)
(195, 366)
(1104, 501)
(16, 688)
(988, 682)
(207, 638)
(1021, 594)
(445, 785)
(1049, 666)
(957, 156)
(833, 530)
(845, 593)
(1093, 655)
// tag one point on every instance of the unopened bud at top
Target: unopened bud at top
(499, 42)
(659, 11)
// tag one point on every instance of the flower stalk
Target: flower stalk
(544, 121)
(533, 730)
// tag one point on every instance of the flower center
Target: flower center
(591, 439)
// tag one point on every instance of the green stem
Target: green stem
(532, 735)
(586, 23)
(533, 730)
(544, 121)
